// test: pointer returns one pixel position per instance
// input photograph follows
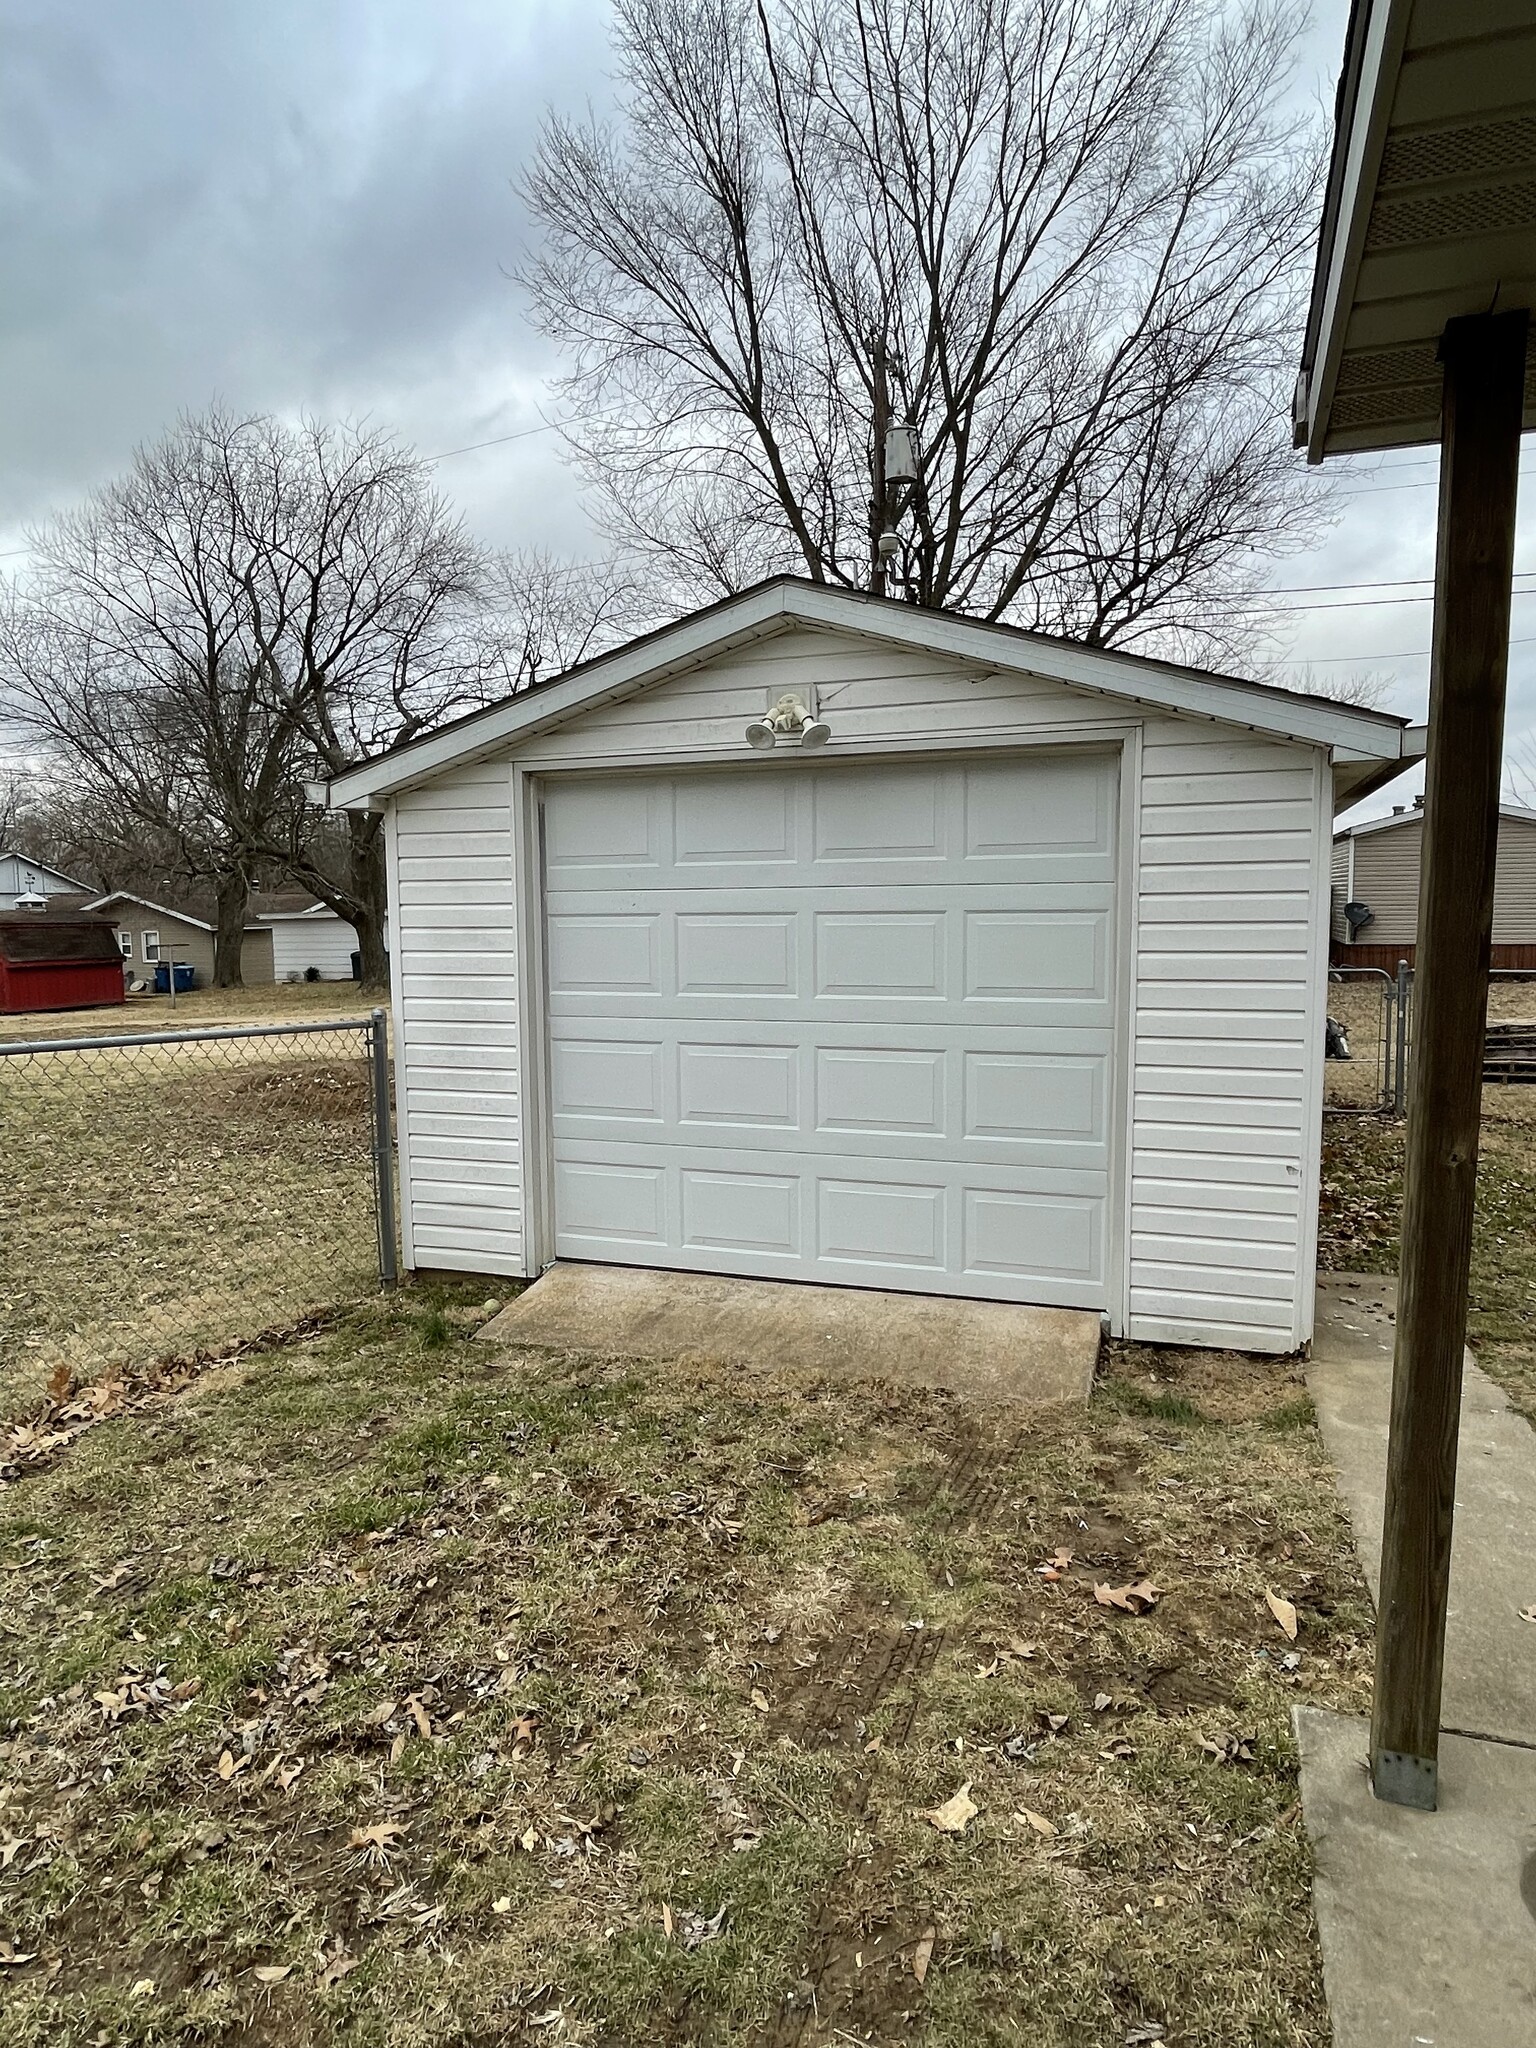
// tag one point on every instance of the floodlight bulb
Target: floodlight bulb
(760, 735)
(815, 733)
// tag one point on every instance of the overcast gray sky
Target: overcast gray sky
(288, 205)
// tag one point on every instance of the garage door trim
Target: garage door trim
(534, 1035)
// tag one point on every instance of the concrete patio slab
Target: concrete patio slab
(991, 1351)
(1427, 1926)
(1490, 1659)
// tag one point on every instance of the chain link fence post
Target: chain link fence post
(1400, 1062)
(383, 1149)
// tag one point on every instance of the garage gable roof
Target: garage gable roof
(786, 602)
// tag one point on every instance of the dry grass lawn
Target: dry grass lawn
(1362, 1195)
(389, 1689)
(268, 1003)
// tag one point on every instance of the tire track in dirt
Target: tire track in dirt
(888, 1657)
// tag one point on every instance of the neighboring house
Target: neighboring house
(1015, 988)
(58, 958)
(150, 932)
(1376, 867)
(21, 876)
(305, 935)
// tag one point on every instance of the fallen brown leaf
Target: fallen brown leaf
(1132, 1599)
(272, 1973)
(1037, 1821)
(1283, 1612)
(377, 1840)
(955, 1815)
(922, 1955)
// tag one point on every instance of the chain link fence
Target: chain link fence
(178, 1192)
(1370, 1039)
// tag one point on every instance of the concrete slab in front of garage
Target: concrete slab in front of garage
(988, 1350)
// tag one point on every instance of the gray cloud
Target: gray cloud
(294, 206)
(281, 205)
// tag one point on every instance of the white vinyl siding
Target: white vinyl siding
(326, 943)
(1226, 921)
(455, 979)
(868, 694)
(1225, 1130)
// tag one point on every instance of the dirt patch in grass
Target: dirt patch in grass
(1360, 1219)
(396, 1691)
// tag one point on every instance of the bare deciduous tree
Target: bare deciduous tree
(127, 660)
(1520, 770)
(545, 615)
(1069, 231)
(362, 598)
(1366, 688)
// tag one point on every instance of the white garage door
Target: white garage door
(841, 1024)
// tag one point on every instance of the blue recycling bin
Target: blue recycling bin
(186, 977)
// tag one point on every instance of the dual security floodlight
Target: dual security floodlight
(790, 718)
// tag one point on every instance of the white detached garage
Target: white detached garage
(1012, 988)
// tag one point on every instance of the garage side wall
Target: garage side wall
(454, 974)
(1226, 1080)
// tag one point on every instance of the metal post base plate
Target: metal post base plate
(1404, 1780)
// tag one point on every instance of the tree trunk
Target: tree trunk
(370, 886)
(232, 895)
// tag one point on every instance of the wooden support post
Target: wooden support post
(1484, 366)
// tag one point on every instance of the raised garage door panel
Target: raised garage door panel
(841, 1024)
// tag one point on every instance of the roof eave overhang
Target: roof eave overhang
(1378, 30)
(1124, 679)
(1429, 216)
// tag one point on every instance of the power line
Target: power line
(1355, 604)
(1408, 654)
(547, 427)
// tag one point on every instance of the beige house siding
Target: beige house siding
(190, 944)
(1338, 890)
(1387, 878)
(1514, 889)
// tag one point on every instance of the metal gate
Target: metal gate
(1374, 1010)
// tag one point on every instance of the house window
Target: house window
(150, 945)
(125, 944)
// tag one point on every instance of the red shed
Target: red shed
(58, 963)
